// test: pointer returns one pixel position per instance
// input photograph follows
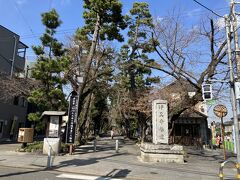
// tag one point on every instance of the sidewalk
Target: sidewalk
(200, 165)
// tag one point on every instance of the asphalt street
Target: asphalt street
(10, 173)
(26, 174)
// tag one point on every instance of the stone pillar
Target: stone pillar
(160, 121)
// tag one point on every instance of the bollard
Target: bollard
(116, 145)
(95, 145)
(70, 149)
(49, 157)
(221, 176)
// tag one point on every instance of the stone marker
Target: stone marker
(159, 150)
(160, 121)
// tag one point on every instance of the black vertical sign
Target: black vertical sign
(72, 118)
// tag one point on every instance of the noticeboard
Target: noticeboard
(54, 126)
(72, 118)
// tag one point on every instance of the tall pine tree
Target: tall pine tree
(135, 78)
(103, 21)
(48, 70)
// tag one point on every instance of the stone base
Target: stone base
(162, 153)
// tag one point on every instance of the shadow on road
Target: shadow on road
(19, 173)
(118, 173)
(83, 162)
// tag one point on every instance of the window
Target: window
(21, 53)
(16, 100)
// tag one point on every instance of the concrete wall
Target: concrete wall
(7, 44)
(9, 113)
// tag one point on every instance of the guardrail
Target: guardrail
(236, 165)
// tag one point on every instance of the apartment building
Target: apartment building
(13, 110)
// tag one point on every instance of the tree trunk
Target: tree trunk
(89, 62)
(85, 118)
(86, 74)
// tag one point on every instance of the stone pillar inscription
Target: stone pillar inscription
(160, 121)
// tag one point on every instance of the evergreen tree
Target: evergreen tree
(103, 21)
(135, 78)
(48, 70)
(134, 55)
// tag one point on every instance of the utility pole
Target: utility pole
(235, 35)
(233, 18)
(232, 90)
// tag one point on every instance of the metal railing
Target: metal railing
(234, 163)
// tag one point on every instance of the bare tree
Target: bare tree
(10, 87)
(180, 52)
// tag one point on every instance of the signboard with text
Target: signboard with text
(160, 121)
(54, 126)
(72, 118)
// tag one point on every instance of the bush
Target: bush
(36, 146)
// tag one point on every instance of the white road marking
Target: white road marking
(84, 177)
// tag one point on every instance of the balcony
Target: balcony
(20, 60)
(19, 63)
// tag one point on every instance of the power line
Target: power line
(202, 12)
(208, 8)
(38, 35)
(23, 17)
(197, 13)
(34, 35)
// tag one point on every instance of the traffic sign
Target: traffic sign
(220, 110)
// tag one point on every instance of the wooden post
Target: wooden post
(70, 149)
(221, 111)
(224, 148)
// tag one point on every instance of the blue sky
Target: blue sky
(23, 16)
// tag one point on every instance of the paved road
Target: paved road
(200, 165)
(26, 174)
(9, 173)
